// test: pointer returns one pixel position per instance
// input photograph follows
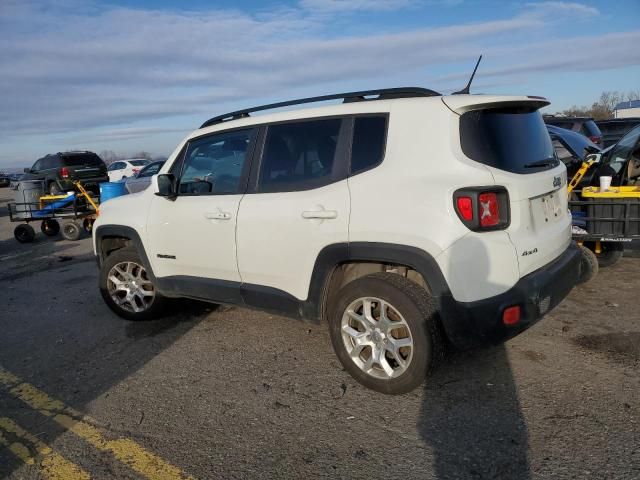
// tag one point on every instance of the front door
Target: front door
(192, 238)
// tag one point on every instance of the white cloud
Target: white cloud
(325, 6)
(81, 69)
(570, 8)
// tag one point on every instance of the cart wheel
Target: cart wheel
(50, 227)
(24, 233)
(588, 265)
(71, 231)
(87, 224)
(610, 252)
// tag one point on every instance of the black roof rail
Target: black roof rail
(381, 94)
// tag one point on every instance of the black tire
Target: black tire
(417, 308)
(159, 303)
(54, 189)
(71, 231)
(50, 227)
(24, 233)
(87, 225)
(588, 265)
(610, 252)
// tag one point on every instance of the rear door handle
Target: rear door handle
(320, 214)
(217, 215)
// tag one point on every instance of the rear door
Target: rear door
(513, 143)
(297, 204)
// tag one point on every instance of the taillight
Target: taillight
(483, 208)
(595, 139)
(64, 172)
(465, 207)
(489, 210)
(135, 170)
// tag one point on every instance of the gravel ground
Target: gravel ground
(233, 393)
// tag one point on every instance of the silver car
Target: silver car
(142, 179)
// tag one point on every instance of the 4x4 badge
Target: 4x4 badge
(557, 181)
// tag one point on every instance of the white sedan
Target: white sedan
(125, 168)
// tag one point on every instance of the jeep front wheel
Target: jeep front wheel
(384, 329)
(127, 288)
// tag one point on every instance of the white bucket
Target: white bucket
(605, 183)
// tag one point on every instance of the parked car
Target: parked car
(571, 147)
(5, 180)
(60, 170)
(126, 168)
(142, 179)
(584, 125)
(14, 178)
(372, 215)
(616, 128)
(621, 161)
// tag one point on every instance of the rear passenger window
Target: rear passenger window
(299, 155)
(369, 136)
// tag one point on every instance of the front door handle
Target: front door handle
(320, 214)
(217, 215)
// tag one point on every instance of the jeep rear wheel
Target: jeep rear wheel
(384, 329)
(127, 288)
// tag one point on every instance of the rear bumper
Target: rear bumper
(471, 324)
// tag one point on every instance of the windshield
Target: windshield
(618, 155)
(511, 139)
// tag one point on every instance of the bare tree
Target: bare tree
(143, 154)
(604, 108)
(108, 156)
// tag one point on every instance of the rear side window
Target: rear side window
(139, 163)
(80, 160)
(369, 137)
(299, 155)
(514, 139)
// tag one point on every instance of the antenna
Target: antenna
(465, 90)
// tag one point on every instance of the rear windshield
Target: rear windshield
(90, 159)
(511, 139)
(138, 163)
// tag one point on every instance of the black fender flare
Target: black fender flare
(126, 232)
(333, 255)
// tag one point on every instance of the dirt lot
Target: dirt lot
(231, 393)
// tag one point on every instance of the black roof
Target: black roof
(562, 117)
(381, 94)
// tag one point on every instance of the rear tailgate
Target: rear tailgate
(83, 166)
(508, 136)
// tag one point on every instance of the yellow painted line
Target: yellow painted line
(125, 450)
(53, 465)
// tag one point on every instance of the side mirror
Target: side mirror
(27, 170)
(167, 186)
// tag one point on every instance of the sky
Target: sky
(139, 75)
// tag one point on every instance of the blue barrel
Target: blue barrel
(110, 190)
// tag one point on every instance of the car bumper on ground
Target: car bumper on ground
(472, 324)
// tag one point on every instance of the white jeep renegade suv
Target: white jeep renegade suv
(403, 218)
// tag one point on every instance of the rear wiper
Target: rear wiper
(547, 162)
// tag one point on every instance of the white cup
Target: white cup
(605, 183)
